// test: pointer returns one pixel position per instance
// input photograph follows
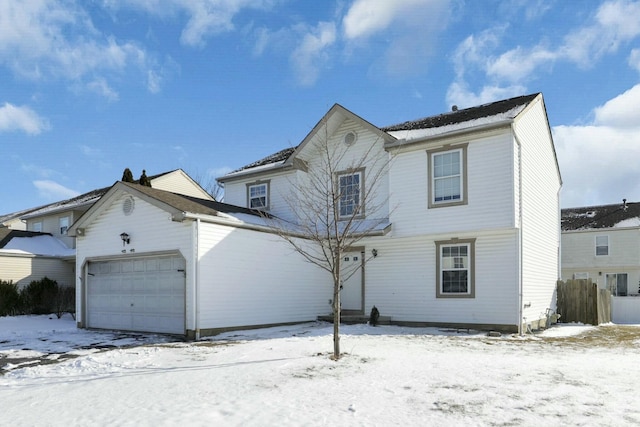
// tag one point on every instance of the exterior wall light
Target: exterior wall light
(374, 252)
(125, 238)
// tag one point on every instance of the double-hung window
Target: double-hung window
(350, 194)
(447, 180)
(64, 224)
(455, 269)
(602, 245)
(258, 195)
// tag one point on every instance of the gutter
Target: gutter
(520, 237)
(196, 278)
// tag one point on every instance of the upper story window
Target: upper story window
(455, 269)
(258, 195)
(602, 245)
(64, 224)
(350, 191)
(447, 176)
(37, 226)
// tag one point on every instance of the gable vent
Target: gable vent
(127, 205)
(350, 138)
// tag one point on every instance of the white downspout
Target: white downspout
(520, 237)
(196, 278)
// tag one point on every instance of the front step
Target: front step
(354, 319)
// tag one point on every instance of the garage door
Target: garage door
(138, 294)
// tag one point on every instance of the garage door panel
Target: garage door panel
(142, 294)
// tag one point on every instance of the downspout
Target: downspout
(196, 278)
(520, 237)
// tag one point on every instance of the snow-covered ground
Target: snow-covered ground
(567, 375)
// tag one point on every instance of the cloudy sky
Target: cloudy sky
(90, 88)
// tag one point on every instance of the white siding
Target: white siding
(180, 183)
(401, 281)
(23, 269)
(579, 255)
(151, 231)
(540, 213)
(490, 190)
(253, 278)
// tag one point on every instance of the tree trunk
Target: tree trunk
(336, 320)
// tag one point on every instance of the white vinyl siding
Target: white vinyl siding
(22, 269)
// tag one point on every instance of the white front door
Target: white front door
(145, 294)
(352, 283)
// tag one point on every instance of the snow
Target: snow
(283, 376)
(38, 245)
(629, 222)
(412, 134)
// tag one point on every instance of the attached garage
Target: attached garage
(137, 294)
(153, 261)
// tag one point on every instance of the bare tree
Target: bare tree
(207, 181)
(335, 202)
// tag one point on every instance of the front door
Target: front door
(352, 282)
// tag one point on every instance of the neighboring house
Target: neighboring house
(155, 261)
(602, 243)
(56, 218)
(53, 220)
(26, 256)
(470, 203)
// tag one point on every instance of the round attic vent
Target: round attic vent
(350, 138)
(127, 205)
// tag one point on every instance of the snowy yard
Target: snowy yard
(568, 375)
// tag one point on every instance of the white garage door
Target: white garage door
(138, 294)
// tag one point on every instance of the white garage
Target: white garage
(153, 261)
(137, 294)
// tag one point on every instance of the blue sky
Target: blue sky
(90, 88)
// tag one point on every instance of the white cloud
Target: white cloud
(311, 56)
(102, 88)
(459, 94)
(52, 39)
(616, 22)
(51, 190)
(597, 160)
(24, 119)
(519, 63)
(367, 17)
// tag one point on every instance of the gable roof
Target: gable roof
(78, 202)
(598, 217)
(492, 113)
(286, 158)
(178, 205)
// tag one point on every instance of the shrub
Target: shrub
(39, 296)
(65, 301)
(9, 298)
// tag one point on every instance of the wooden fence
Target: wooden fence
(582, 301)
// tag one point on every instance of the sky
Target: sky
(88, 89)
(569, 375)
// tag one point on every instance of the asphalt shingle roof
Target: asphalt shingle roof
(594, 217)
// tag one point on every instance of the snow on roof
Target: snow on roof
(619, 215)
(413, 134)
(38, 245)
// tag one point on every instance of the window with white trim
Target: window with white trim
(447, 176)
(258, 195)
(37, 226)
(602, 245)
(64, 224)
(455, 269)
(350, 192)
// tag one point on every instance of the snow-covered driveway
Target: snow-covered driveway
(568, 375)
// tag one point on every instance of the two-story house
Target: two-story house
(602, 243)
(466, 232)
(471, 198)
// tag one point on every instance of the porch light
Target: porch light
(374, 252)
(125, 238)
